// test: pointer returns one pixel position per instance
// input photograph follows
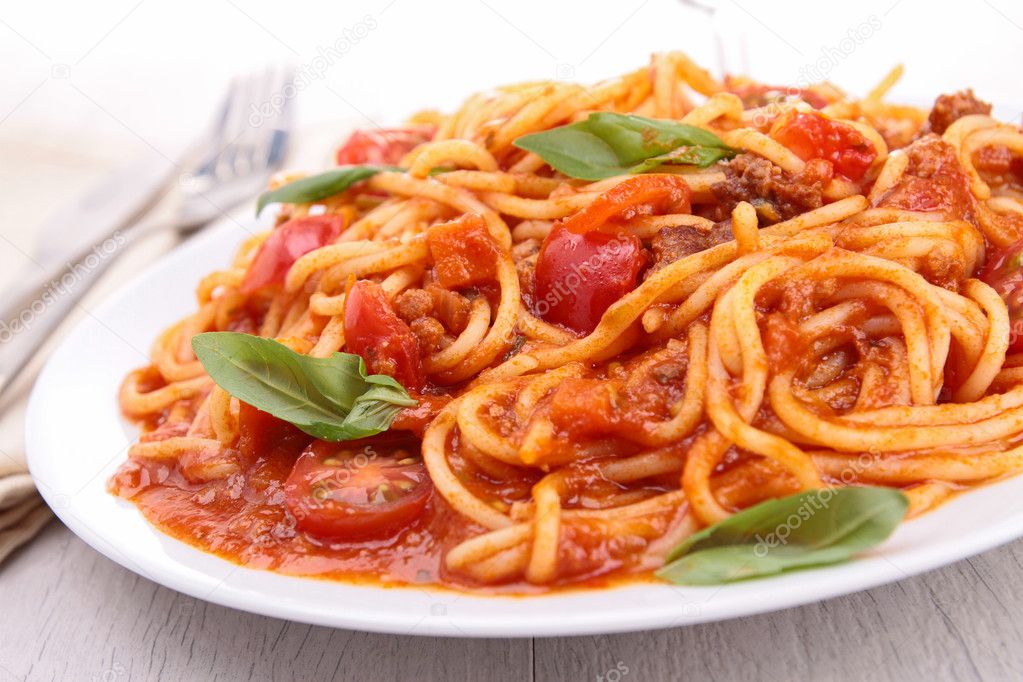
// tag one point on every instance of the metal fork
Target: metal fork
(245, 144)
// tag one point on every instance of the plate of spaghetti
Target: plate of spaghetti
(570, 359)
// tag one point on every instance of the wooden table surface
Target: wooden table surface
(70, 613)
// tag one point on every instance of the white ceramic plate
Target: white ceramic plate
(76, 438)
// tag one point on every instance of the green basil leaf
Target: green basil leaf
(330, 398)
(608, 144)
(321, 186)
(812, 528)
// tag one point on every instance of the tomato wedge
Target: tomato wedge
(579, 276)
(814, 136)
(639, 195)
(384, 341)
(340, 493)
(286, 244)
(382, 146)
(1004, 273)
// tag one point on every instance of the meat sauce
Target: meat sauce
(244, 519)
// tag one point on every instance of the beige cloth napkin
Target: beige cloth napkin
(22, 511)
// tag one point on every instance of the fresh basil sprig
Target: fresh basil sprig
(331, 398)
(320, 186)
(812, 528)
(608, 144)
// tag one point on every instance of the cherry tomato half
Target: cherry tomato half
(579, 276)
(286, 244)
(1004, 273)
(340, 493)
(639, 195)
(384, 341)
(382, 146)
(814, 136)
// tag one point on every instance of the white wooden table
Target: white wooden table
(70, 613)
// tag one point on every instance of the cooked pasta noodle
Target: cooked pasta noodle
(808, 317)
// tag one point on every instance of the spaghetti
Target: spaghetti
(603, 367)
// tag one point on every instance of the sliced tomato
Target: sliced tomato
(286, 244)
(1004, 272)
(639, 195)
(385, 342)
(340, 493)
(579, 276)
(815, 136)
(382, 145)
(463, 252)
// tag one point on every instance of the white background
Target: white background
(85, 87)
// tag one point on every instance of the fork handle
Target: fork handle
(39, 306)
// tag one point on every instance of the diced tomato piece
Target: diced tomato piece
(463, 252)
(385, 342)
(286, 244)
(639, 195)
(815, 136)
(382, 146)
(583, 407)
(1004, 272)
(579, 276)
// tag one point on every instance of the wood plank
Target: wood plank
(960, 622)
(70, 613)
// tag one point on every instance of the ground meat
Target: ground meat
(429, 332)
(934, 181)
(779, 195)
(413, 303)
(450, 307)
(526, 269)
(524, 253)
(1000, 167)
(675, 243)
(950, 108)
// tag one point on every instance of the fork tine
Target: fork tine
(264, 142)
(248, 93)
(266, 103)
(215, 141)
(250, 132)
(273, 143)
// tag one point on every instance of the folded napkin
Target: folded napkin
(22, 511)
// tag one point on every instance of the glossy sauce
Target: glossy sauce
(243, 519)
